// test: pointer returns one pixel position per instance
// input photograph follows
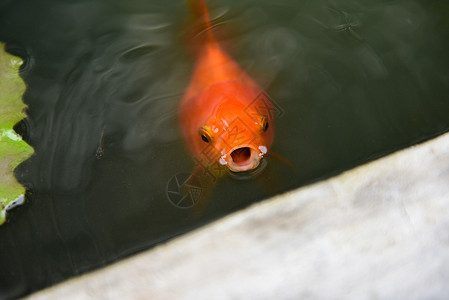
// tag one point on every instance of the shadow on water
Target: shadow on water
(353, 80)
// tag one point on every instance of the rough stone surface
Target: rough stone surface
(380, 231)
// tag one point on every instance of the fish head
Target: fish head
(238, 136)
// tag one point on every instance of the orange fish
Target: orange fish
(225, 116)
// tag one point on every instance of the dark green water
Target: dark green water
(351, 80)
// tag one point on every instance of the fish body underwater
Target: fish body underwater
(225, 116)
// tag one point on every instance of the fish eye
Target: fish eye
(205, 134)
(264, 123)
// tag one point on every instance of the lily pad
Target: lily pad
(13, 150)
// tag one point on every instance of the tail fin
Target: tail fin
(201, 24)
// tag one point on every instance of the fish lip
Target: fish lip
(252, 162)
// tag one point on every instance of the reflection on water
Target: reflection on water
(354, 79)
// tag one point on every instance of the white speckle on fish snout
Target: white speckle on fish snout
(223, 161)
(263, 150)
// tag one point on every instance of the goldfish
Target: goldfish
(225, 117)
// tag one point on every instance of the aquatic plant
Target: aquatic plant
(13, 150)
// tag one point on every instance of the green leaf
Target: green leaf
(13, 150)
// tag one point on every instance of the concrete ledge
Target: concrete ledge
(380, 231)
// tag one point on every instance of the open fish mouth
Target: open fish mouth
(243, 159)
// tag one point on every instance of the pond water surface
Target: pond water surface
(351, 80)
